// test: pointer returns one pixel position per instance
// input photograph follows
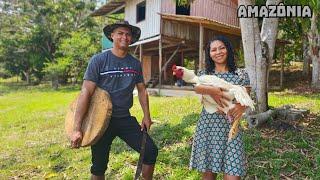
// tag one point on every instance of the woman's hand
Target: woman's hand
(237, 112)
(219, 96)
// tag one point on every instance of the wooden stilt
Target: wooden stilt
(140, 53)
(182, 58)
(160, 63)
(201, 60)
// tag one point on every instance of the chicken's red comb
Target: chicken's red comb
(174, 67)
(178, 72)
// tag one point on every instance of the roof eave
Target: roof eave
(109, 7)
(208, 23)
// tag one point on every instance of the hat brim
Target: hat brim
(135, 31)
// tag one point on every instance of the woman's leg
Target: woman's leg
(229, 177)
(209, 175)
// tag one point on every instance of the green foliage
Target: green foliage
(290, 29)
(58, 68)
(184, 2)
(189, 63)
(72, 56)
(294, 30)
(32, 32)
(239, 57)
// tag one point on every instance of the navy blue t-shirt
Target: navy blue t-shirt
(118, 76)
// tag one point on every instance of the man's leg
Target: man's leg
(94, 177)
(130, 132)
(100, 153)
(147, 171)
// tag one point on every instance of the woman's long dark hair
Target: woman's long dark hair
(210, 65)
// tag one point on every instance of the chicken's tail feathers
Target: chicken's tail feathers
(234, 130)
(242, 96)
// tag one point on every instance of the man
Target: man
(118, 73)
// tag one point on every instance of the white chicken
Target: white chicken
(234, 91)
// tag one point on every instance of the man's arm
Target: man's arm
(144, 102)
(87, 91)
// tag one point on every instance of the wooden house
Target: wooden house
(173, 34)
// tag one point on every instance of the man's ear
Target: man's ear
(111, 35)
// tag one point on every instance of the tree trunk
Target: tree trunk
(314, 41)
(55, 82)
(261, 70)
(286, 113)
(258, 52)
(248, 44)
(306, 56)
(269, 35)
(259, 119)
(27, 76)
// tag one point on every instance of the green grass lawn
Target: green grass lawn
(34, 145)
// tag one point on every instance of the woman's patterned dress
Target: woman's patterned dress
(211, 150)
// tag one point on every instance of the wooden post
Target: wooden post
(182, 58)
(135, 50)
(160, 62)
(140, 53)
(282, 67)
(201, 62)
(160, 54)
(196, 63)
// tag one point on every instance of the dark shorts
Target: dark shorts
(128, 129)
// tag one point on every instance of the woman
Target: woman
(211, 151)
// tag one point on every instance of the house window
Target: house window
(182, 9)
(141, 11)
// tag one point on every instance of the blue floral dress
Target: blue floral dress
(210, 149)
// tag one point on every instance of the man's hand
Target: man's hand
(76, 139)
(146, 123)
(237, 112)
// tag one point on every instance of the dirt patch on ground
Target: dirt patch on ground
(296, 126)
(293, 79)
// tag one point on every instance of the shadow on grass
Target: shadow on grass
(164, 135)
(284, 149)
(294, 80)
(174, 144)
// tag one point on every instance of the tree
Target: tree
(31, 32)
(16, 43)
(74, 53)
(314, 42)
(258, 49)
